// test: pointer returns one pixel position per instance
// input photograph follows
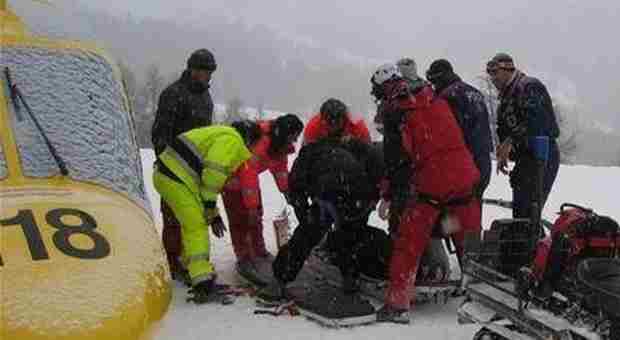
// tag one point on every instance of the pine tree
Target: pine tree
(146, 104)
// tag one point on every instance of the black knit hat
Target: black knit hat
(502, 57)
(282, 129)
(249, 130)
(287, 125)
(333, 110)
(439, 69)
(202, 59)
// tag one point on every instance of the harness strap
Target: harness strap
(443, 205)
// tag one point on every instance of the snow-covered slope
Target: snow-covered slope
(589, 186)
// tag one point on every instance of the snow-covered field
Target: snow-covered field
(594, 187)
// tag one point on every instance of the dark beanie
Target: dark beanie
(439, 69)
(288, 124)
(282, 129)
(202, 59)
(333, 110)
(249, 130)
(501, 60)
(502, 57)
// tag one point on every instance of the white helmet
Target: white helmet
(386, 72)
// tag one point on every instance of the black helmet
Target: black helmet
(282, 129)
(249, 130)
(439, 69)
(202, 59)
(333, 111)
(287, 125)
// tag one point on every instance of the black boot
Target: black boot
(274, 292)
(544, 290)
(526, 281)
(388, 313)
(208, 291)
(181, 275)
(247, 270)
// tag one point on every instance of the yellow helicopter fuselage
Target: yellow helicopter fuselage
(80, 257)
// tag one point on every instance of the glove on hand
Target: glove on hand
(210, 211)
(218, 227)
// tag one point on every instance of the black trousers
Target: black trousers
(345, 241)
(523, 182)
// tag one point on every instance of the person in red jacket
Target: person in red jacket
(334, 121)
(242, 196)
(444, 176)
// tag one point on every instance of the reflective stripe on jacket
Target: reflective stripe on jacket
(205, 158)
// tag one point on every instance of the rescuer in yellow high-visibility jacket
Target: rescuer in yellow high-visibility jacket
(189, 175)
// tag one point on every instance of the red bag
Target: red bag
(578, 233)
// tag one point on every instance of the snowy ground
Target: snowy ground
(589, 186)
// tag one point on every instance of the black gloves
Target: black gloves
(218, 227)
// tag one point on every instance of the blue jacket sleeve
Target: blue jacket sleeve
(539, 109)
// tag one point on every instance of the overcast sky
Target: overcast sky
(572, 43)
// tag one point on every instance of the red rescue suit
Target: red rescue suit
(318, 128)
(443, 172)
(242, 196)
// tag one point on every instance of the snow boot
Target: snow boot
(181, 275)
(247, 271)
(544, 290)
(388, 313)
(209, 292)
(274, 292)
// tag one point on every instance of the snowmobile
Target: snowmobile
(564, 286)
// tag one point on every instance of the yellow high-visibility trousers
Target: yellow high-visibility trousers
(189, 211)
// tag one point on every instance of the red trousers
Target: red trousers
(414, 234)
(171, 237)
(247, 237)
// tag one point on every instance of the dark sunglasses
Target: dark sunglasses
(492, 71)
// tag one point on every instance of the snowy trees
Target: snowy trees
(566, 115)
(145, 99)
(491, 98)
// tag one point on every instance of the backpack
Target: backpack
(578, 233)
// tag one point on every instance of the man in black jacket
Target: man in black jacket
(341, 179)
(470, 111)
(184, 105)
(528, 130)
